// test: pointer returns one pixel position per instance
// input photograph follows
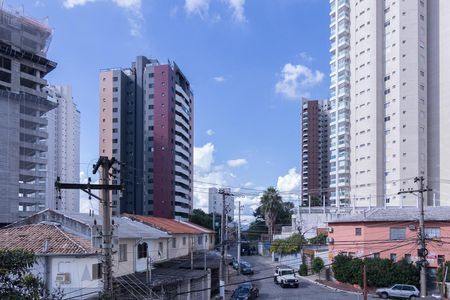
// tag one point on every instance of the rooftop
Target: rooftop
(43, 239)
(127, 228)
(169, 225)
(397, 214)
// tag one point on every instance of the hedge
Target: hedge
(380, 272)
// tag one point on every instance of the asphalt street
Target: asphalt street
(263, 267)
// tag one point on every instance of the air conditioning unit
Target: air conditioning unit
(330, 240)
(63, 278)
(412, 227)
(330, 229)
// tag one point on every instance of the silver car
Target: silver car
(404, 291)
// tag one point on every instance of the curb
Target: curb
(332, 288)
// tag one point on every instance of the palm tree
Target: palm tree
(271, 205)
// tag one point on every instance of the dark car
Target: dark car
(245, 291)
(246, 269)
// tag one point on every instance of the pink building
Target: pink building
(392, 233)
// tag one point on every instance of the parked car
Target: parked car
(246, 268)
(404, 291)
(245, 291)
(285, 276)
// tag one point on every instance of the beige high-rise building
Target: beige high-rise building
(399, 100)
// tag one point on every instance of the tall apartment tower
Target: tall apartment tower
(23, 147)
(389, 58)
(146, 122)
(215, 201)
(340, 103)
(63, 148)
(315, 151)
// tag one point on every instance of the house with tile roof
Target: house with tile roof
(64, 259)
(186, 236)
(133, 241)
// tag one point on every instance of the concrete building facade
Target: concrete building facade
(23, 103)
(388, 75)
(146, 122)
(215, 202)
(315, 151)
(340, 103)
(63, 148)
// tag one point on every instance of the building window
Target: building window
(160, 249)
(358, 231)
(433, 233)
(115, 89)
(184, 240)
(174, 242)
(96, 271)
(115, 78)
(142, 250)
(376, 255)
(397, 233)
(123, 252)
(393, 257)
(408, 258)
(200, 240)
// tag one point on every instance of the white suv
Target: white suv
(405, 291)
(285, 276)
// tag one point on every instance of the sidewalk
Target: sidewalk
(337, 286)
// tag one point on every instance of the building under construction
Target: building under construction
(23, 147)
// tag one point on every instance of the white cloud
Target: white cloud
(296, 79)
(73, 3)
(219, 79)
(200, 7)
(203, 157)
(210, 132)
(237, 162)
(132, 8)
(87, 204)
(238, 10)
(305, 56)
(290, 182)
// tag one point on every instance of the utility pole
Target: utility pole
(106, 164)
(422, 252)
(222, 245)
(239, 238)
(365, 281)
(149, 270)
(192, 252)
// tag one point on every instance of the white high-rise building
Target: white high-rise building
(63, 149)
(389, 62)
(216, 200)
(340, 103)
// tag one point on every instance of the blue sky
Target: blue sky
(249, 63)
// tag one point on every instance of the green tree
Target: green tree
(15, 280)
(320, 239)
(201, 218)
(317, 265)
(271, 205)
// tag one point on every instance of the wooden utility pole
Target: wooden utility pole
(422, 252)
(106, 164)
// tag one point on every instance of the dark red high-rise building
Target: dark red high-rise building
(315, 153)
(146, 122)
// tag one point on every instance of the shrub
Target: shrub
(303, 271)
(380, 272)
